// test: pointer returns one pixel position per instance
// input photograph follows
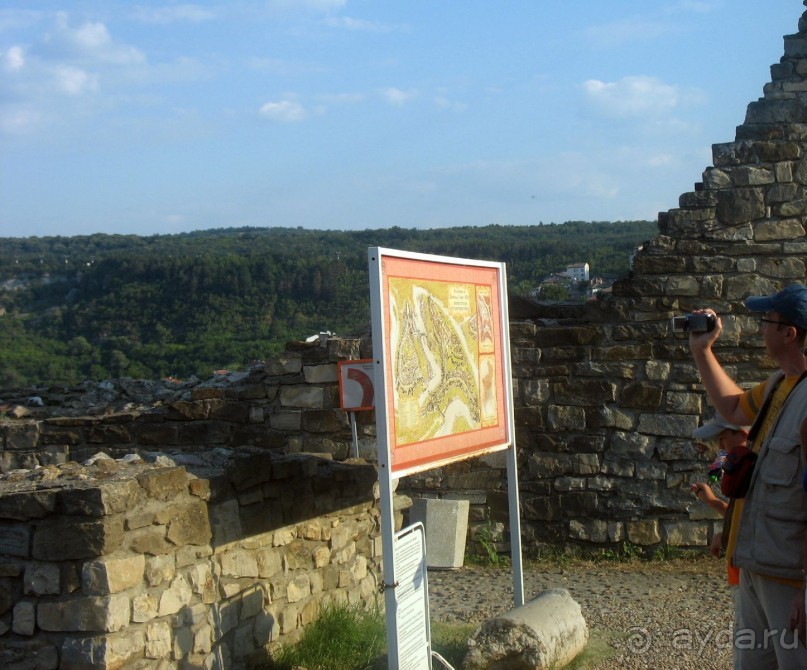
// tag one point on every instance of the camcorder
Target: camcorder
(693, 323)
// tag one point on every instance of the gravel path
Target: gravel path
(656, 615)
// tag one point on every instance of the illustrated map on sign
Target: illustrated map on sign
(444, 364)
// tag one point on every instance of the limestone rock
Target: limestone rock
(547, 632)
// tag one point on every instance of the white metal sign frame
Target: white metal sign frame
(412, 268)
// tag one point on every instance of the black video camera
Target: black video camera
(694, 323)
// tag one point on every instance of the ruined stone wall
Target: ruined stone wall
(161, 524)
(127, 564)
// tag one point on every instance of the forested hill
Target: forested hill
(103, 306)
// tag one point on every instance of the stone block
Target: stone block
(225, 522)
(187, 522)
(25, 505)
(239, 563)
(666, 425)
(28, 655)
(102, 652)
(284, 364)
(42, 579)
(71, 538)
(101, 499)
(24, 618)
(22, 436)
(644, 532)
(175, 597)
(320, 374)
(164, 483)
(103, 614)
(686, 534)
(306, 397)
(113, 574)
(445, 523)
(547, 632)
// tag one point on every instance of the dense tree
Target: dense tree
(89, 307)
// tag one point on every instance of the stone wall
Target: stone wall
(135, 565)
(197, 523)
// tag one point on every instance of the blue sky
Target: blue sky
(167, 117)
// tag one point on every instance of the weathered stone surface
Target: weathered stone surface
(546, 632)
(102, 652)
(101, 499)
(783, 268)
(21, 436)
(643, 533)
(76, 538)
(324, 421)
(549, 465)
(105, 614)
(175, 597)
(27, 505)
(642, 396)
(302, 396)
(584, 392)
(320, 374)
(284, 364)
(42, 579)
(686, 534)
(663, 424)
(24, 618)
(740, 206)
(187, 522)
(164, 483)
(28, 655)
(112, 574)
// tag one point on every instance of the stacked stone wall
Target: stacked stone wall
(126, 564)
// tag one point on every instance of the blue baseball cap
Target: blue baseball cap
(790, 302)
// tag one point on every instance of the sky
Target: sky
(167, 117)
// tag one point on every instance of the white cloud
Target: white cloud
(632, 97)
(317, 5)
(285, 111)
(90, 42)
(397, 96)
(441, 102)
(14, 59)
(75, 81)
(359, 25)
(18, 121)
(172, 14)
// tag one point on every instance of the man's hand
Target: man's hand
(703, 341)
(703, 492)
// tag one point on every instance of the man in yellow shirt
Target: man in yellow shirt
(769, 525)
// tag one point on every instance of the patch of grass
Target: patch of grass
(451, 641)
(343, 638)
(597, 650)
(348, 638)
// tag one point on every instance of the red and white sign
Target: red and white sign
(356, 385)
